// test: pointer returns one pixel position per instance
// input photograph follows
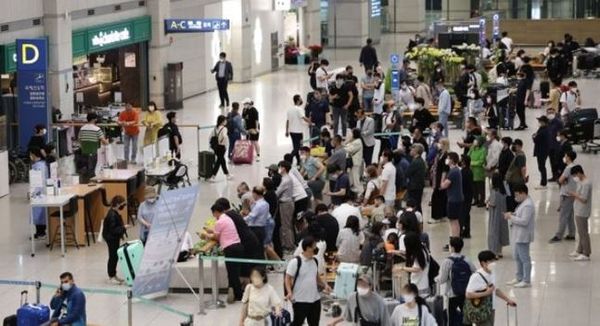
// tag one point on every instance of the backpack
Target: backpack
(459, 275)
(214, 139)
(299, 261)
(230, 125)
(434, 271)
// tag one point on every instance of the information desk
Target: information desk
(116, 182)
(50, 202)
(89, 202)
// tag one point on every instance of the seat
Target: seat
(89, 226)
(69, 234)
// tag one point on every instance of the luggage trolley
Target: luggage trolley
(581, 129)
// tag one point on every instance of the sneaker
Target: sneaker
(574, 254)
(211, 180)
(570, 238)
(230, 296)
(40, 236)
(114, 281)
(554, 239)
(522, 285)
(513, 282)
(230, 177)
(119, 279)
(582, 258)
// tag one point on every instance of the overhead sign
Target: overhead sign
(175, 25)
(375, 8)
(32, 84)
(284, 5)
(173, 212)
(110, 37)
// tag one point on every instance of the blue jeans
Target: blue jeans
(523, 260)
(443, 119)
(130, 142)
(368, 104)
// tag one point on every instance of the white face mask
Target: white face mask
(565, 160)
(256, 281)
(303, 157)
(339, 83)
(44, 131)
(151, 200)
(489, 138)
(65, 286)
(362, 291)
(576, 179)
(491, 266)
(151, 108)
(408, 298)
(404, 87)
(558, 139)
(447, 161)
(551, 116)
(471, 96)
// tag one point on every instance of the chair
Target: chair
(69, 234)
(89, 226)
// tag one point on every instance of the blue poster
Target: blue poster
(395, 80)
(32, 84)
(168, 229)
(175, 25)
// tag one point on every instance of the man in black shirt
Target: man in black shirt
(38, 139)
(521, 98)
(422, 118)
(329, 224)
(417, 138)
(351, 83)
(250, 116)
(171, 130)
(368, 56)
(473, 131)
(340, 97)
(317, 110)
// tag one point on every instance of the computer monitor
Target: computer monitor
(149, 155)
(163, 147)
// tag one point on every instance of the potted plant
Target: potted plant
(315, 50)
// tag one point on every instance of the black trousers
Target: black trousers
(541, 163)
(220, 162)
(259, 232)
(417, 196)
(521, 112)
(455, 308)
(311, 312)
(554, 163)
(511, 203)
(296, 143)
(223, 95)
(234, 269)
(368, 154)
(479, 192)
(111, 265)
(465, 218)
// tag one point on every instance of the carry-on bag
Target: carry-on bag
(130, 257)
(508, 316)
(243, 152)
(435, 303)
(345, 280)
(32, 314)
(206, 160)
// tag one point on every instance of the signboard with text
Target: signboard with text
(32, 85)
(375, 8)
(175, 25)
(496, 27)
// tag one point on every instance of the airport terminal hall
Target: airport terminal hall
(299, 162)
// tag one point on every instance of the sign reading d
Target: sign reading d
(32, 54)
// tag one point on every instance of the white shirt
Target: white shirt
(420, 279)
(570, 99)
(477, 283)
(378, 98)
(298, 192)
(508, 42)
(260, 300)
(407, 98)
(348, 245)
(389, 231)
(389, 174)
(342, 212)
(295, 119)
(403, 315)
(321, 74)
(305, 289)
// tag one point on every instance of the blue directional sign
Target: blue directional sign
(395, 59)
(496, 26)
(176, 25)
(395, 80)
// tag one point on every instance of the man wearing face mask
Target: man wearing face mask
(302, 282)
(146, 212)
(223, 71)
(555, 125)
(422, 118)
(364, 305)
(567, 186)
(541, 146)
(482, 285)
(563, 146)
(444, 105)
(570, 101)
(68, 303)
(516, 173)
(453, 185)
(367, 85)
(522, 228)
(340, 97)
(285, 192)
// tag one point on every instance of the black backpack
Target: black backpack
(214, 139)
(230, 124)
(459, 275)
(434, 271)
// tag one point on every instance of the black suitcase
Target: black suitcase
(581, 125)
(545, 89)
(10, 321)
(206, 160)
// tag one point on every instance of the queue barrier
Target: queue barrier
(215, 303)
(128, 293)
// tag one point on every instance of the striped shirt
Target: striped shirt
(89, 138)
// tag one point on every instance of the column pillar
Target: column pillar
(158, 54)
(348, 23)
(311, 23)
(58, 28)
(406, 15)
(456, 9)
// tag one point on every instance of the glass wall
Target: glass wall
(542, 9)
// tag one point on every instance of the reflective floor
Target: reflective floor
(557, 282)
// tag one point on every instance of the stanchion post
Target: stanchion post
(201, 286)
(129, 307)
(38, 286)
(214, 264)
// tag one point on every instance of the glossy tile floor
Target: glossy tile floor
(563, 292)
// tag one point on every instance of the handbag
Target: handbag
(478, 310)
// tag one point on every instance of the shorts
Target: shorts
(269, 227)
(253, 137)
(453, 210)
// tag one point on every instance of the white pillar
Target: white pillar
(406, 16)
(348, 23)
(456, 9)
(158, 55)
(311, 23)
(57, 26)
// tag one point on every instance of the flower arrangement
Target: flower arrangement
(315, 50)
(427, 57)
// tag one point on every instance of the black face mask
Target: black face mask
(513, 148)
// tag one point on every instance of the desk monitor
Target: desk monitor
(163, 147)
(149, 155)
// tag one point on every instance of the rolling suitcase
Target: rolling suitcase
(10, 321)
(435, 303)
(206, 160)
(243, 152)
(32, 314)
(130, 256)
(508, 316)
(345, 280)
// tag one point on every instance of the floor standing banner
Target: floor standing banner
(168, 229)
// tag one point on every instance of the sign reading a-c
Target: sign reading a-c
(32, 54)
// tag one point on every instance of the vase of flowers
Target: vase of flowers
(315, 50)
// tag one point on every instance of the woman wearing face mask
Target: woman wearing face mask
(259, 299)
(354, 148)
(413, 311)
(439, 170)
(38, 139)
(475, 104)
(406, 96)
(113, 231)
(153, 122)
(146, 212)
